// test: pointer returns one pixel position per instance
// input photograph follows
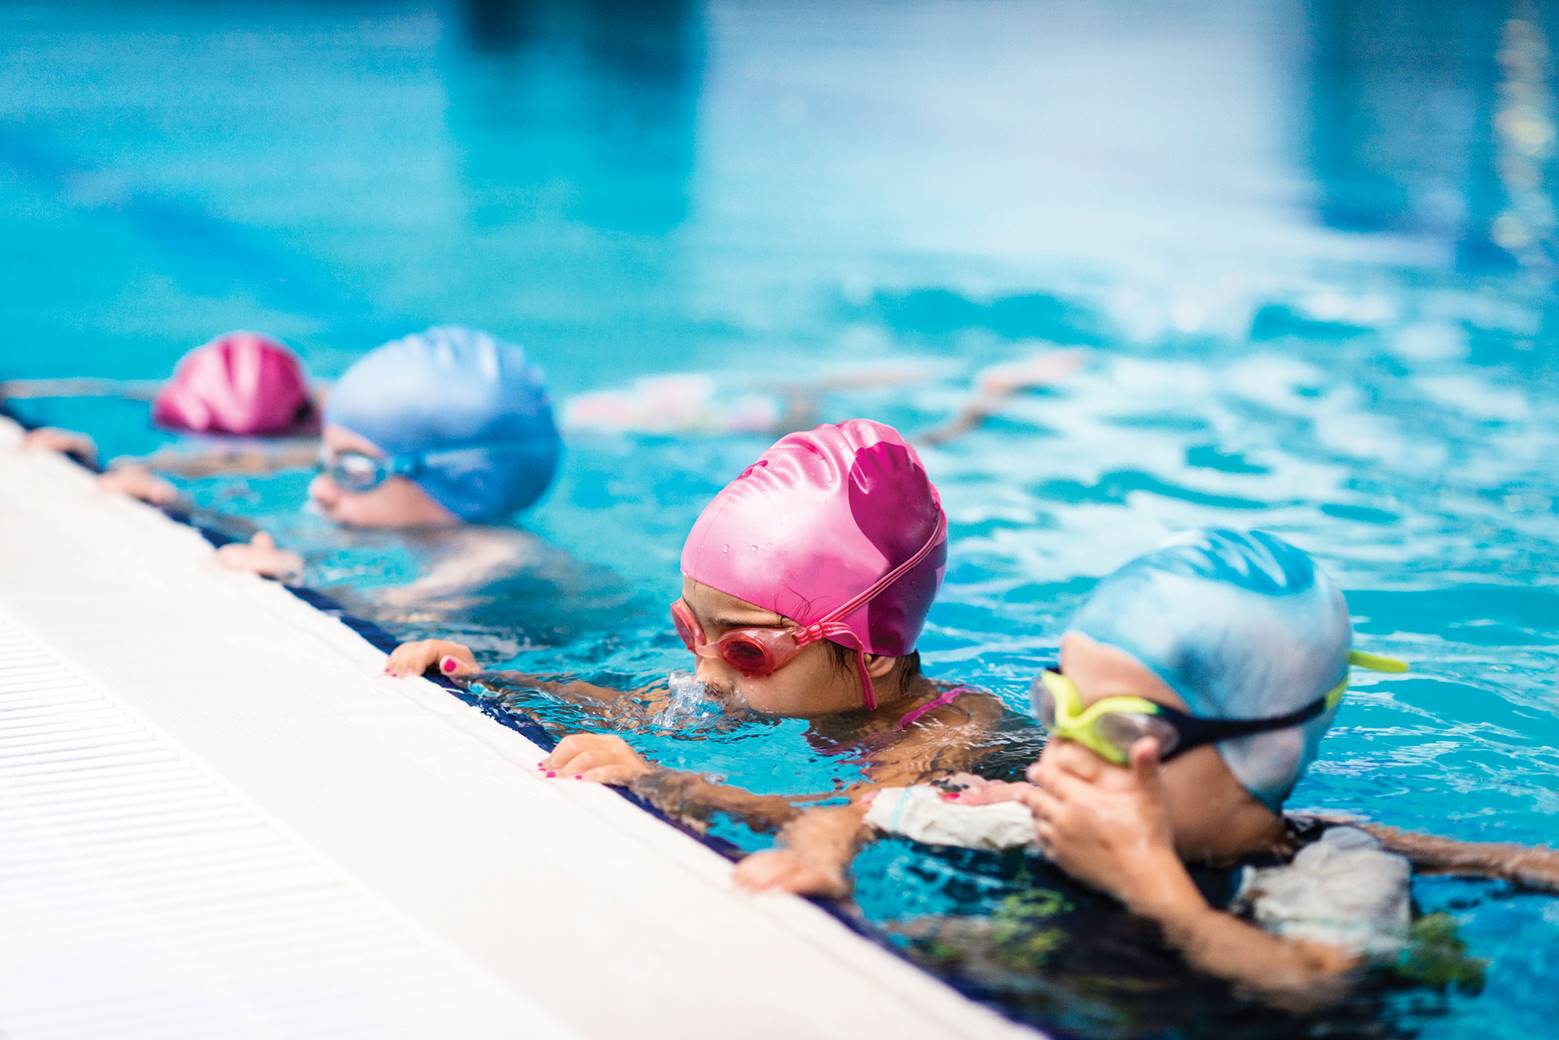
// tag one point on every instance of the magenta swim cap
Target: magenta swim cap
(239, 383)
(838, 529)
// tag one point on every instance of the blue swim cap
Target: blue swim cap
(1240, 625)
(469, 409)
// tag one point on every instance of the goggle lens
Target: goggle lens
(1044, 705)
(689, 637)
(1110, 733)
(747, 656)
(744, 651)
(1121, 729)
(355, 472)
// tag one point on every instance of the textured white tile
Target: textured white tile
(430, 817)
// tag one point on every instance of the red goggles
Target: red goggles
(764, 651)
(751, 651)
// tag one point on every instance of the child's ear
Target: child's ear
(879, 665)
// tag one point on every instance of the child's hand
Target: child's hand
(597, 757)
(1109, 827)
(260, 556)
(66, 442)
(786, 870)
(138, 482)
(968, 789)
(426, 655)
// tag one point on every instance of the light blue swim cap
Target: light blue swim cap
(1241, 625)
(468, 410)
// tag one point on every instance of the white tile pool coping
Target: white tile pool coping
(218, 818)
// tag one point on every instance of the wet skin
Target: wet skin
(1213, 817)
(397, 502)
(811, 684)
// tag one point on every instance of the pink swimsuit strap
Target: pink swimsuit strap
(946, 697)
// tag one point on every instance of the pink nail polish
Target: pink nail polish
(948, 796)
(551, 774)
(578, 776)
(448, 664)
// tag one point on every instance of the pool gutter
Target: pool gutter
(565, 907)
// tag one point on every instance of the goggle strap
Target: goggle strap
(1209, 730)
(882, 583)
(830, 625)
(868, 690)
(1376, 662)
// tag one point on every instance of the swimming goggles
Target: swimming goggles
(359, 472)
(1110, 725)
(764, 651)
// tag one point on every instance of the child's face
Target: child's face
(395, 503)
(1201, 794)
(810, 684)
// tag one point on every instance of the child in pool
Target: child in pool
(806, 582)
(440, 436)
(240, 384)
(1194, 687)
(440, 428)
(253, 389)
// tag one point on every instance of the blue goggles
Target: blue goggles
(357, 471)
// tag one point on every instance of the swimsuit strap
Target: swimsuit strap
(946, 697)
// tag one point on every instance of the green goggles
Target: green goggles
(1111, 725)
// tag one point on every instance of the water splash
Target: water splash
(690, 702)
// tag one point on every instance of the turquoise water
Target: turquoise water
(1309, 251)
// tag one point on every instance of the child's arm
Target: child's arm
(995, 385)
(244, 458)
(140, 483)
(136, 390)
(814, 852)
(1113, 832)
(813, 856)
(456, 661)
(128, 478)
(261, 555)
(1293, 973)
(66, 442)
(606, 759)
(1533, 866)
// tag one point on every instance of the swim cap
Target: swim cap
(1241, 625)
(471, 411)
(819, 521)
(239, 383)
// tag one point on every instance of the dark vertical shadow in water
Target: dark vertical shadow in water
(581, 112)
(1435, 117)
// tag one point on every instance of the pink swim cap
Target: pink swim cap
(838, 529)
(240, 383)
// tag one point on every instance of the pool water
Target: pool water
(1308, 249)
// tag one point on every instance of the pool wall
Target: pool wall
(562, 907)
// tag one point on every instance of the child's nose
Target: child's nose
(711, 671)
(324, 491)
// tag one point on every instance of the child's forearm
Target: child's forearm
(829, 836)
(689, 796)
(1291, 973)
(245, 460)
(79, 387)
(1533, 866)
